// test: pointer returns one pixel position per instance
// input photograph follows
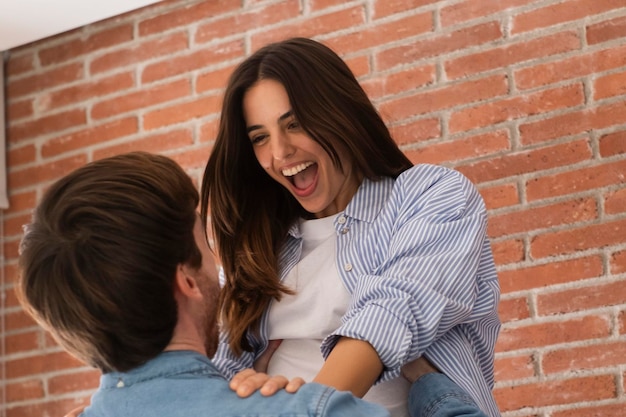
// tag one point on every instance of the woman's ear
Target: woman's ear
(186, 282)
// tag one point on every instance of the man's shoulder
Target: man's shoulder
(199, 395)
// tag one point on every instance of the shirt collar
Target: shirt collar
(165, 364)
(368, 201)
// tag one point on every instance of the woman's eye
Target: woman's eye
(293, 125)
(257, 139)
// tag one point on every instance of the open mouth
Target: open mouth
(301, 176)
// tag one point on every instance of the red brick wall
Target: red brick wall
(527, 98)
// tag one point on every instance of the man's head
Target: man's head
(106, 253)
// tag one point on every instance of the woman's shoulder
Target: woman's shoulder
(425, 176)
(434, 184)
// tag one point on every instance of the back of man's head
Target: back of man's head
(99, 259)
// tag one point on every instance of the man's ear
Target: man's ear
(186, 282)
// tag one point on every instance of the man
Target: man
(116, 265)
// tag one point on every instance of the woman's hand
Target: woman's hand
(247, 381)
(244, 383)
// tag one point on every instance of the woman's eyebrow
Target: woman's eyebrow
(282, 117)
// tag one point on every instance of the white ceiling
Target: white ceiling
(25, 21)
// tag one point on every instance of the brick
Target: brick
(19, 109)
(613, 144)
(598, 355)
(552, 273)
(615, 202)
(552, 392)
(610, 85)
(77, 94)
(208, 131)
(514, 367)
(511, 54)
(389, 7)
(140, 99)
(213, 80)
(517, 107)
(416, 131)
(45, 79)
(445, 97)
(508, 251)
(578, 239)
(406, 80)
(359, 65)
(513, 309)
(182, 112)
(21, 342)
(11, 249)
(543, 217)
(606, 31)
(13, 225)
(175, 66)
(438, 45)
(39, 364)
(235, 24)
(531, 161)
(470, 9)
(43, 125)
(576, 181)
(138, 52)
(19, 64)
(560, 13)
(597, 410)
(18, 320)
(186, 15)
(75, 381)
(553, 332)
(156, 143)
(45, 172)
(192, 158)
(579, 65)
(384, 33)
(21, 155)
(622, 322)
(573, 123)
(25, 390)
(498, 196)
(580, 299)
(618, 262)
(87, 137)
(47, 408)
(310, 27)
(22, 201)
(461, 149)
(86, 44)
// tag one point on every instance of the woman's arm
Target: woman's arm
(353, 365)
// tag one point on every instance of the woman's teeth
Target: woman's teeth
(290, 172)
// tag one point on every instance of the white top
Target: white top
(304, 319)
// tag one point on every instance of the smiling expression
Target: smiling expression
(291, 157)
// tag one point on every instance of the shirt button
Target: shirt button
(120, 383)
(344, 230)
(341, 220)
(347, 267)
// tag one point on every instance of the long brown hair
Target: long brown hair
(250, 212)
(99, 259)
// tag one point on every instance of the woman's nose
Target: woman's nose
(282, 147)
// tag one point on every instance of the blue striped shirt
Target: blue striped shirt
(414, 254)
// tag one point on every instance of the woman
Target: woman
(329, 237)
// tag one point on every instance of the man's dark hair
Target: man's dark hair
(98, 261)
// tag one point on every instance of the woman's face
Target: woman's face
(293, 158)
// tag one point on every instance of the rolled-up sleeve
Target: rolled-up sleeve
(416, 270)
